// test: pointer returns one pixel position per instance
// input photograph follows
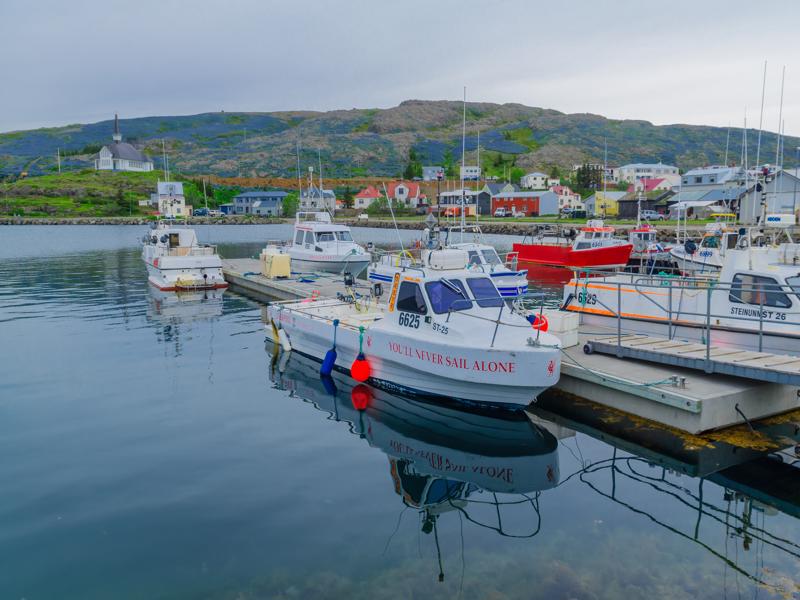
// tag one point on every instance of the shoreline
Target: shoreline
(489, 227)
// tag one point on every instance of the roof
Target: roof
(413, 188)
(535, 174)
(369, 192)
(456, 193)
(647, 185)
(536, 194)
(610, 195)
(125, 151)
(721, 173)
(170, 188)
(313, 192)
(559, 189)
(261, 194)
(647, 166)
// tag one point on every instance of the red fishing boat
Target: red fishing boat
(594, 246)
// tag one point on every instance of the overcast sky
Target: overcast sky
(674, 61)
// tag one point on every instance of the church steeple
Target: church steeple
(117, 137)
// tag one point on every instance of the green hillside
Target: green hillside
(379, 142)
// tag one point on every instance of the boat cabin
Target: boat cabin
(595, 234)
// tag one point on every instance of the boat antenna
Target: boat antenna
(332, 209)
(389, 202)
(727, 144)
(463, 160)
(299, 181)
(780, 121)
(166, 165)
(760, 129)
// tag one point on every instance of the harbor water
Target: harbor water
(155, 446)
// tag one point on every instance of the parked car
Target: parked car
(502, 212)
(214, 213)
(363, 217)
(200, 212)
(422, 209)
(653, 215)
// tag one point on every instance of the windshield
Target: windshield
(443, 295)
(485, 293)
(474, 259)
(490, 256)
(344, 236)
(325, 236)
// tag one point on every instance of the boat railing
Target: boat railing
(676, 289)
(511, 260)
(469, 303)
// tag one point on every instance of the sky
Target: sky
(698, 62)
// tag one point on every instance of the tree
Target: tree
(414, 166)
(379, 206)
(347, 197)
(123, 206)
(516, 174)
(555, 173)
(449, 163)
(588, 177)
(290, 204)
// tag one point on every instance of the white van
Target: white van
(501, 212)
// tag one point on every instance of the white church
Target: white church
(120, 156)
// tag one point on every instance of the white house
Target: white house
(121, 156)
(432, 173)
(312, 199)
(169, 199)
(781, 193)
(470, 173)
(534, 181)
(636, 171)
(567, 198)
(406, 192)
(366, 197)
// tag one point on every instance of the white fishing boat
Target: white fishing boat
(320, 245)
(753, 303)
(646, 247)
(438, 335)
(177, 261)
(707, 256)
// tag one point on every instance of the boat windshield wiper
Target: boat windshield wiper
(453, 287)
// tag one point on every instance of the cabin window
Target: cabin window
(309, 237)
(298, 238)
(710, 242)
(583, 245)
(325, 236)
(733, 238)
(474, 258)
(757, 290)
(794, 283)
(410, 299)
(344, 236)
(174, 240)
(444, 297)
(490, 256)
(486, 295)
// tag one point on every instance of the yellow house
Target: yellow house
(604, 204)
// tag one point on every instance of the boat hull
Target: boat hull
(487, 376)
(355, 266)
(183, 279)
(559, 255)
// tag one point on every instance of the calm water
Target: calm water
(153, 448)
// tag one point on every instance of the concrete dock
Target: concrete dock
(686, 399)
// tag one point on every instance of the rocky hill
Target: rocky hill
(361, 142)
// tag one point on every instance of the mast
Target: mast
(760, 128)
(463, 161)
(780, 122)
(299, 182)
(727, 143)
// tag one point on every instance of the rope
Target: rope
(361, 339)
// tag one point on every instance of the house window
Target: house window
(758, 290)
(698, 180)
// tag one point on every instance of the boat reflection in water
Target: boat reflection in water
(442, 458)
(184, 306)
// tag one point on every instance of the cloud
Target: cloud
(678, 62)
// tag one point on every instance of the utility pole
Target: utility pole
(58, 159)
(204, 195)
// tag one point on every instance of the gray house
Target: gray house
(782, 196)
(259, 203)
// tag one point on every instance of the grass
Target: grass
(522, 136)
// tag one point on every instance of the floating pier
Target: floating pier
(687, 399)
(244, 276)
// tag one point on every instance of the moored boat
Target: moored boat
(646, 247)
(320, 245)
(177, 261)
(594, 246)
(440, 334)
(752, 303)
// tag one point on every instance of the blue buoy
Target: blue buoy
(330, 356)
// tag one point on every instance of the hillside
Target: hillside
(378, 142)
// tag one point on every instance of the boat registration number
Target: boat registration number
(587, 298)
(407, 320)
